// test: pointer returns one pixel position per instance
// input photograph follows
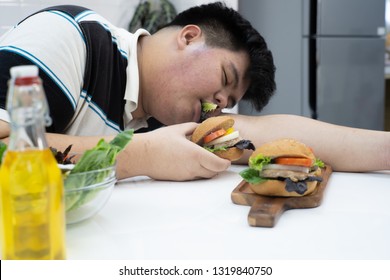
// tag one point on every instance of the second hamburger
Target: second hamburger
(285, 167)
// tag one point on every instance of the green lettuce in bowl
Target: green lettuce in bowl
(89, 183)
(84, 196)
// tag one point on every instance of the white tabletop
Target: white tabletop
(146, 219)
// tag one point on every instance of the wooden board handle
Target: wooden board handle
(265, 211)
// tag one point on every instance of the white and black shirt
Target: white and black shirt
(88, 66)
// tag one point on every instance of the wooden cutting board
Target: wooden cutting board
(266, 210)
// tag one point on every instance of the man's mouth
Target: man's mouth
(207, 108)
(203, 116)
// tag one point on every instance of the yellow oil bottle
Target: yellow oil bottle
(32, 217)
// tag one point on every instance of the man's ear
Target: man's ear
(188, 34)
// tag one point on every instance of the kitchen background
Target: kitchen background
(282, 23)
(119, 12)
(330, 59)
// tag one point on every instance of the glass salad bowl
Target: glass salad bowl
(87, 192)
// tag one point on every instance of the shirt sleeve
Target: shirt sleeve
(54, 42)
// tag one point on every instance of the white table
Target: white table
(146, 219)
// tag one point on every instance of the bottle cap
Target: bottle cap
(24, 71)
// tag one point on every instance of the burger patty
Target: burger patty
(229, 143)
(276, 173)
(295, 181)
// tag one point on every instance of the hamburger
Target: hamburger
(285, 167)
(217, 135)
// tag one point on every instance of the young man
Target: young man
(100, 79)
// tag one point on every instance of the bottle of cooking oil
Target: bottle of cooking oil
(31, 189)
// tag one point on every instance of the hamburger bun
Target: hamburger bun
(231, 154)
(286, 147)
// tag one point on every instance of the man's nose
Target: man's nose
(221, 100)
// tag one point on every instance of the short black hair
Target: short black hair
(226, 28)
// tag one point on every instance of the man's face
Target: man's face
(198, 74)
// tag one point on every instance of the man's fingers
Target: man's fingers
(187, 128)
(214, 163)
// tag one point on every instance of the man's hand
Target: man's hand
(168, 154)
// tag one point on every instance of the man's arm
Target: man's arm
(344, 148)
(163, 154)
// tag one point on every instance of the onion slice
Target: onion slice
(287, 167)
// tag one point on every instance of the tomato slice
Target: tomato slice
(294, 161)
(214, 135)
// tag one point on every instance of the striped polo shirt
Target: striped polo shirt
(88, 66)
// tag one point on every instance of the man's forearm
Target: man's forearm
(127, 166)
(344, 148)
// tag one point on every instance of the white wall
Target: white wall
(119, 12)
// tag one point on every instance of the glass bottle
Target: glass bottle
(32, 217)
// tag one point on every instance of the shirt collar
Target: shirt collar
(132, 76)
